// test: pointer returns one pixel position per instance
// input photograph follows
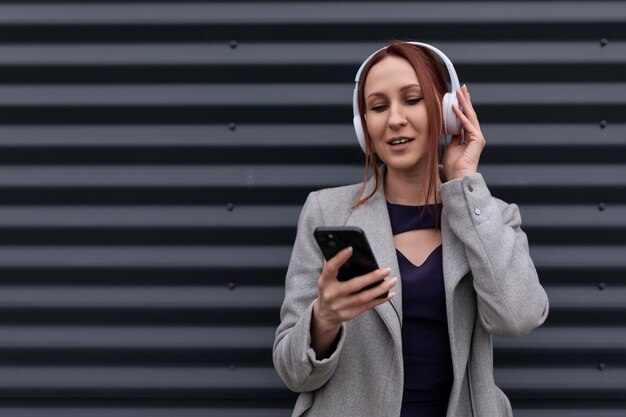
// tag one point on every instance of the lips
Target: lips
(401, 140)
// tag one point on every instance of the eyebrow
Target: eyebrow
(406, 87)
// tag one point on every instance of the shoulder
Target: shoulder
(333, 204)
(337, 197)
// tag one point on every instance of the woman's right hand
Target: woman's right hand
(340, 301)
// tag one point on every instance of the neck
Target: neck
(408, 188)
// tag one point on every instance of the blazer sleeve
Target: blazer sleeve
(294, 359)
(510, 300)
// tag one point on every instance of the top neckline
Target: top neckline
(412, 206)
(405, 218)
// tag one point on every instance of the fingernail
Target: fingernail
(394, 279)
(349, 249)
(386, 270)
(391, 295)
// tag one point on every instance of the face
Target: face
(396, 115)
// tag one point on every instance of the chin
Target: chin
(404, 165)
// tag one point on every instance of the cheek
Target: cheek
(375, 125)
(420, 118)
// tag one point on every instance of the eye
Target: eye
(378, 108)
(415, 100)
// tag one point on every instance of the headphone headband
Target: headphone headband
(454, 80)
(452, 125)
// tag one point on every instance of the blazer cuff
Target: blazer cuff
(469, 197)
(326, 365)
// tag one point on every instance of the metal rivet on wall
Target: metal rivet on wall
(233, 44)
(601, 206)
(232, 126)
(604, 42)
(603, 124)
(601, 286)
(231, 285)
(602, 366)
(230, 206)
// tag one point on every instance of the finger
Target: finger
(363, 300)
(358, 283)
(465, 91)
(331, 267)
(472, 130)
(467, 124)
(376, 302)
(465, 95)
(365, 297)
(466, 104)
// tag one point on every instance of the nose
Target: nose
(397, 118)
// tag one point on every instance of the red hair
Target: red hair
(431, 77)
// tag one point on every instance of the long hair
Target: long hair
(431, 77)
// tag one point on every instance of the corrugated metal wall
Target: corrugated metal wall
(154, 157)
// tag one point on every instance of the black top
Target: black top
(425, 341)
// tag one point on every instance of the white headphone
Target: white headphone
(452, 124)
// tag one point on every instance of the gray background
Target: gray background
(154, 157)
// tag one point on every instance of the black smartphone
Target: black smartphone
(333, 239)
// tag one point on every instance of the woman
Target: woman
(453, 258)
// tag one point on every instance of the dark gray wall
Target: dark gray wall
(154, 157)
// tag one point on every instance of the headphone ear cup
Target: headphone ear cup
(451, 123)
(360, 134)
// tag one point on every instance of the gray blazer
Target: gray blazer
(491, 287)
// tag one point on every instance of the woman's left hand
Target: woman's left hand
(459, 158)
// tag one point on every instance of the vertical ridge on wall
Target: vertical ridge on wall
(154, 157)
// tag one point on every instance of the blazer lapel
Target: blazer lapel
(455, 264)
(460, 304)
(373, 218)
